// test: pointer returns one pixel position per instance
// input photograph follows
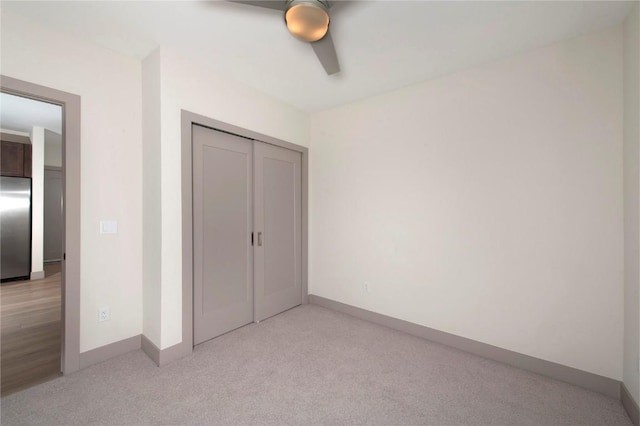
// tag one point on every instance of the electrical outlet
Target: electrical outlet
(104, 314)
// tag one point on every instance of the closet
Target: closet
(246, 231)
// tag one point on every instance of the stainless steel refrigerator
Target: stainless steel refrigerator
(15, 227)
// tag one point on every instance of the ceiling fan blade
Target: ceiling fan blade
(338, 5)
(326, 53)
(268, 4)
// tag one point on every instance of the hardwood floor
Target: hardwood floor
(30, 331)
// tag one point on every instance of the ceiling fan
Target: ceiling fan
(307, 20)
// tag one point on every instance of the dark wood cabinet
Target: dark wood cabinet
(27, 161)
(15, 159)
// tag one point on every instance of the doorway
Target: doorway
(64, 266)
(31, 290)
(247, 239)
(189, 122)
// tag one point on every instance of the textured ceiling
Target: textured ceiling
(381, 45)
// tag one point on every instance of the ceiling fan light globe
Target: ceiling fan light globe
(307, 21)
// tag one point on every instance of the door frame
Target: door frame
(71, 137)
(188, 119)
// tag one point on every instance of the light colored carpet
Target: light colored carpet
(306, 366)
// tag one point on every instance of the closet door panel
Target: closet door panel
(277, 200)
(222, 209)
(279, 206)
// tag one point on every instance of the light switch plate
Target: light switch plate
(108, 227)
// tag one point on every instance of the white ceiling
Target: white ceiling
(21, 114)
(381, 45)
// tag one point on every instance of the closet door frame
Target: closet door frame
(188, 119)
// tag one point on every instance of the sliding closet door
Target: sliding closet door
(222, 225)
(277, 201)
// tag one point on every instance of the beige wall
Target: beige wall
(152, 215)
(631, 197)
(487, 204)
(109, 85)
